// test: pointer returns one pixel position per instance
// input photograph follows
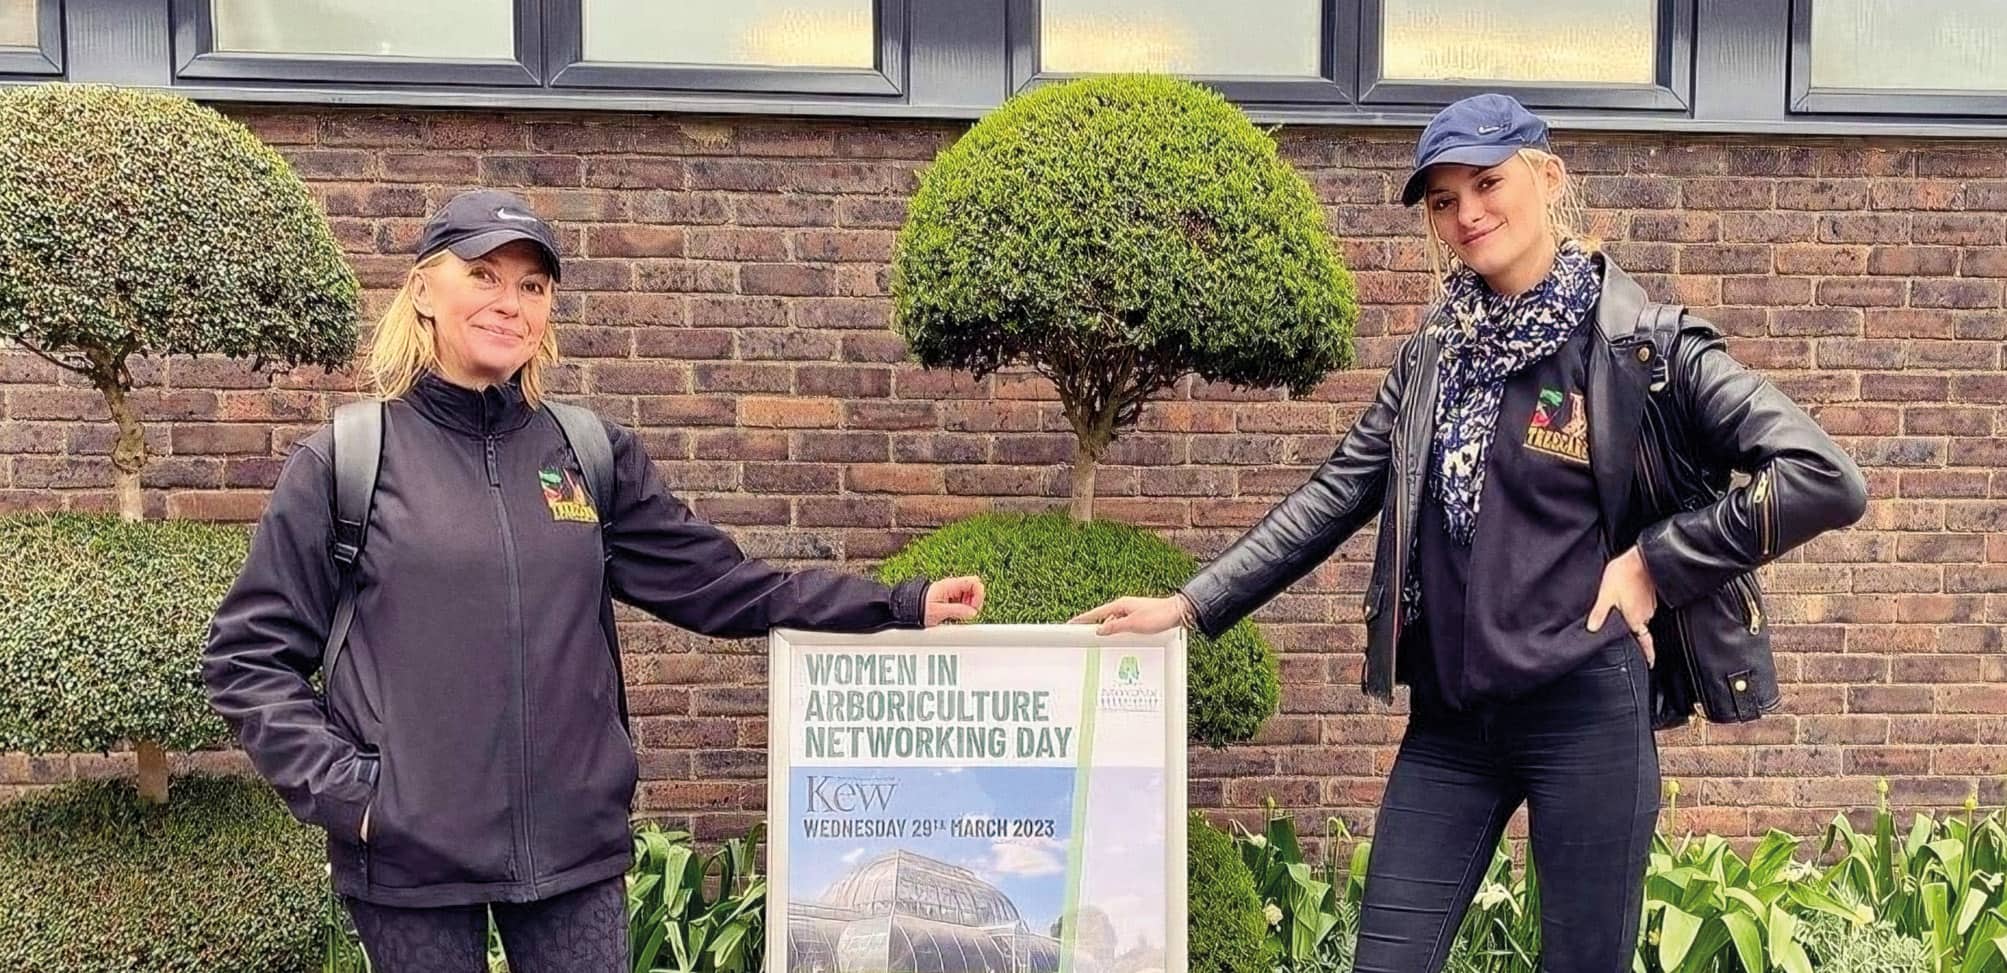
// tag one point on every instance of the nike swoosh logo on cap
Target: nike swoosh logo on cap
(503, 214)
(1487, 130)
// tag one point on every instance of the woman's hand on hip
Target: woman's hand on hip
(1142, 616)
(954, 600)
(1628, 588)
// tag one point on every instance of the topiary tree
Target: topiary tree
(222, 880)
(1226, 931)
(102, 623)
(1046, 568)
(138, 223)
(1115, 234)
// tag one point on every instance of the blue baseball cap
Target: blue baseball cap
(1481, 130)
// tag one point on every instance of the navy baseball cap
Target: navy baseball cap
(1481, 130)
(475, 222)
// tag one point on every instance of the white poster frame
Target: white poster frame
(783, 643)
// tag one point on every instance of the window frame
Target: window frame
(566, 67)
(1805, 98)
(195, 56)
(1671, 89)
(43, 59)
(1334, 84)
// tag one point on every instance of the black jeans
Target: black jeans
(581, 931)
(1579, 753)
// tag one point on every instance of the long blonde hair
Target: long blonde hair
(404, 346)
(1565, 219)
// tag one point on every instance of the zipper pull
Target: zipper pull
(494, 474)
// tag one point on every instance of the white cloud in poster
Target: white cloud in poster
(1028, 857)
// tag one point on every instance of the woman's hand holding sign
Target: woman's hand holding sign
(1141, 616)
(954, 600)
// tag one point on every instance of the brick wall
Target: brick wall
(726, 294)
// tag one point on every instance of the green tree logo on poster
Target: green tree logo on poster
(1130, 673)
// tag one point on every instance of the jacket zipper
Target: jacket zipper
(1679, 621)
(1753, 613)
(526, 823)
(1759, 497)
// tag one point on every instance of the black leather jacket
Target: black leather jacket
(1674, 416)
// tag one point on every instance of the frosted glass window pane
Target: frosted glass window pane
(17, 23)
(1556, 41)
(754, 33)
(432, 29)
(1207, 38)
(1955, 45)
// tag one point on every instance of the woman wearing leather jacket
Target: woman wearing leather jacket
(1563, 562)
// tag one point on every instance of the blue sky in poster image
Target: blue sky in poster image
(1030, 871)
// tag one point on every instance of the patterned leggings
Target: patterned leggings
(582, 931)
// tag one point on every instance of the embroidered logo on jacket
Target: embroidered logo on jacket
(1560, 426)
(567, 497)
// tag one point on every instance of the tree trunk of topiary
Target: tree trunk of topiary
(1086, 455)
(107, 371)
(129, 450)
(152, 772)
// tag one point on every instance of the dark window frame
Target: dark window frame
(195, 57)
(1670, 91)
(1334, 85)
(45, 58)
(566, 67)
(1805, 98)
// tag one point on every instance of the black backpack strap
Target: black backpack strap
(358, 450)
(587, 437)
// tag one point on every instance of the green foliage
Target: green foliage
(1941, 883)
(1838, 946)
(1930, 902)
(1306, 896)
(1046, 568)
(101, 630)
(1132, 212)
(140, 222)
(220, 879)
(687, 913)
(1226, 929)
(697, 914)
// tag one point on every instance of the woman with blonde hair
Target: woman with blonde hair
(1550, 452)
(469, 754)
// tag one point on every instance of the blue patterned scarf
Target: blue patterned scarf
(1486, 339)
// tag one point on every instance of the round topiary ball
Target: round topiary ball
(1047, 568)
(143, 222)
(220, 879)
(1226, 931)
(1131, 227)
(102, 624)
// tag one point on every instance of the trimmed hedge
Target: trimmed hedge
(1226, 930)
(137, 222)
(101, 630)
(1047, 568)
(1136, 212)
(220, 879)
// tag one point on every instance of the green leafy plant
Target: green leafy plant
(102, 623)
(1115, 234)
(1305, 898)
(1839, 946)
(137, 223)
(1942, 882)
(1046, 568)
(1226, 925)
(220, 879)
(694, 914)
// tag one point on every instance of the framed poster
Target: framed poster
(969, 799)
